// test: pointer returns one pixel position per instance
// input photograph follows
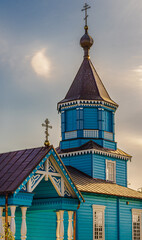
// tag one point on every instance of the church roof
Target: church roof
(87, 85)
(16, 166)
(85, 183)
(91, 145)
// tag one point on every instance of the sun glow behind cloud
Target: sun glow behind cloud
(40, 63)
(138, 71)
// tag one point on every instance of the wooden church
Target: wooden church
(77, 191)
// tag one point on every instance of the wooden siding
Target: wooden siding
(90, 118)
(118, 223)
(78, 142)
(41, 224)
(121, 172)
(70, 144)
(81, 162)
(99, 169)
(45, 189)
(71, 123)
(108, 121)
(110, 145)
(85, 217)
(126, 217)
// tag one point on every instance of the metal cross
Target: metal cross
(85, 7)
(46, 125)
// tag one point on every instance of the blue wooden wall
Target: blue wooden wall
(99, 169)
(45, 189)
(126, 217)
(87, 118)
(95, 165)
(71, 121)
(81, 162)
(108, 121)
(114, 230)
(41, 224)
(90, 118)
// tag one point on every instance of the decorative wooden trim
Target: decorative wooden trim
(70, 225)
(85, 103)
(70, 135)
(114, 170)
(90, 133)
(1, 223)
(23, 225)
(12, 222)
(61, 230)
(87, 151)
(139, 212)
(57, 204)
(45, 170)
(135, 210)
(102, 209)
(58, 226)
(99, 207)
(74, 226)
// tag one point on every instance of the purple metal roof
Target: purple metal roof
(87, 85)
(16, 166)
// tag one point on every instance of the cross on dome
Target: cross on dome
(85, 8)
(47, 126)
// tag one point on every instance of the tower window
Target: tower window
(71, 120)
(108, 121)
(110, 170)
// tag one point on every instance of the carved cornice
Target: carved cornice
(82, 103)
(94, 151)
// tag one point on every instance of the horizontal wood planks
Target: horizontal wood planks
(99, 169)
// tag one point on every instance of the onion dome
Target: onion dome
(86, 42)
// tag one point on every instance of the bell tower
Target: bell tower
(87, 111)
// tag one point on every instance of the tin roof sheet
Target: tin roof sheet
(87, 85)
(85, 183)
(16, 166)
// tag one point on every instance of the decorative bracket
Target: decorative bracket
(48, 171)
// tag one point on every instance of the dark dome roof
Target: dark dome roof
(86, 41)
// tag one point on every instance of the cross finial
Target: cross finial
(47, 126)
(85, 7)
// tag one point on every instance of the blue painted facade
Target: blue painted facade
(82, 123)
(95, 166)
(117, 217)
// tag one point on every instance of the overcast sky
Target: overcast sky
(40, 56)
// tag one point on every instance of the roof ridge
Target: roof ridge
(24, 149)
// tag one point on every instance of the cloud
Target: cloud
(138, 69)
(40, 63)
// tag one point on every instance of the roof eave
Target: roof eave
(112, 195)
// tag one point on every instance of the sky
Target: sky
(40, 56)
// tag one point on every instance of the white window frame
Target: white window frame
(101, 209)
(137, 212)
(114, 170)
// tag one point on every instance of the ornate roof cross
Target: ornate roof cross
(85, 7)
(46, 125)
